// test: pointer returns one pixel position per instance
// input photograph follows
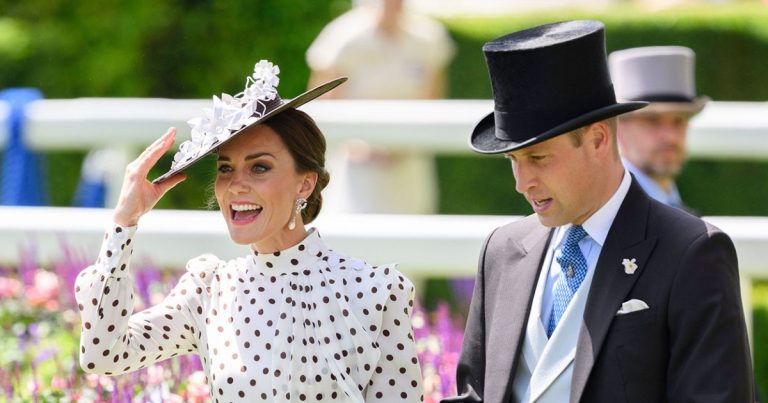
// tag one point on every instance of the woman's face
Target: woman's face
(257, 186)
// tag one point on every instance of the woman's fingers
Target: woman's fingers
(168, 184)
(152, 154)
(138, 195)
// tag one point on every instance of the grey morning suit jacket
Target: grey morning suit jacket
(690, 346)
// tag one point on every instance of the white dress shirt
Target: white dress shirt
(597, 227)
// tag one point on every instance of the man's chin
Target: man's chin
(548, 221)
(668, 171)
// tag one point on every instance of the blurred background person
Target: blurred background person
(389, 52)
(652, 141)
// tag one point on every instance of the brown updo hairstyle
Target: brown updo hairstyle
(306, 144)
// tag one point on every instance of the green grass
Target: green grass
(760, 334)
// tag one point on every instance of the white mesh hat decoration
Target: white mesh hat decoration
(231, 115)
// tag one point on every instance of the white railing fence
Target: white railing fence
(126, 125)
(423, 245)
(722, 130)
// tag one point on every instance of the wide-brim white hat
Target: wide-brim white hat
(233, 115)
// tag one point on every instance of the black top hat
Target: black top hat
(546, 81)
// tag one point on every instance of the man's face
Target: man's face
(557, 178)
(654, 142)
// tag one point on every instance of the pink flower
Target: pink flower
(197, 388)
(58, 383)
(44, 291)
(9, 287)
(172, 398)
(96, 380)
(155, 375)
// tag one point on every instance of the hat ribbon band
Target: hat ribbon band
(663, 98)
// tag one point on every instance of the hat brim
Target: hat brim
(688, 108)
(484, 141)
(293, 103)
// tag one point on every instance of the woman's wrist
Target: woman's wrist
(124, 220)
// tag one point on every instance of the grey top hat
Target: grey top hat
(661, 75)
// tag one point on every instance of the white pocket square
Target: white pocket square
(633, 305)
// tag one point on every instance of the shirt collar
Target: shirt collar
(288, 260)
(671, 197)
(598, 225)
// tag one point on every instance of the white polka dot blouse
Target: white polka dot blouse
(302, 324)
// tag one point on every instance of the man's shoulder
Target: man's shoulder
(521, 234)
(674, 223)
(520, 227)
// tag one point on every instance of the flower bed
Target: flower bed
(39, 338)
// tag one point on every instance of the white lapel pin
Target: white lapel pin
(629, 265)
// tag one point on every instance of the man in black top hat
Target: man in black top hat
(603, 295)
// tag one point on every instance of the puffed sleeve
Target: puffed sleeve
(397, 377)
(113, 340)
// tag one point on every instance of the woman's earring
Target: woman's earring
(301, 204)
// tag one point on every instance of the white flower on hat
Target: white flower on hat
(187, 151)
(266, 72)
(230, 113)
(257, 90)
(261, 85)
(222, 117)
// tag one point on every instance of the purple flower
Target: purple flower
(46, 355)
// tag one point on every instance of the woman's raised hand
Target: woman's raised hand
(138, 195)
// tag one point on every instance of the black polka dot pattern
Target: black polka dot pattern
(302, 324)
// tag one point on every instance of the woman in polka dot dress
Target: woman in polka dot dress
(294, 321)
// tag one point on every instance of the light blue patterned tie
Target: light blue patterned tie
(574, 267)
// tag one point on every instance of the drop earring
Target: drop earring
(301, 204)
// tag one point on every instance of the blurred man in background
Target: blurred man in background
(652, 140)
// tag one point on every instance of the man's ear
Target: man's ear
(598, 138)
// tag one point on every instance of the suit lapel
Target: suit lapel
(626, 239)
(519, 270)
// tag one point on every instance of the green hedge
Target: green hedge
(730, 41)
(148, 48)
